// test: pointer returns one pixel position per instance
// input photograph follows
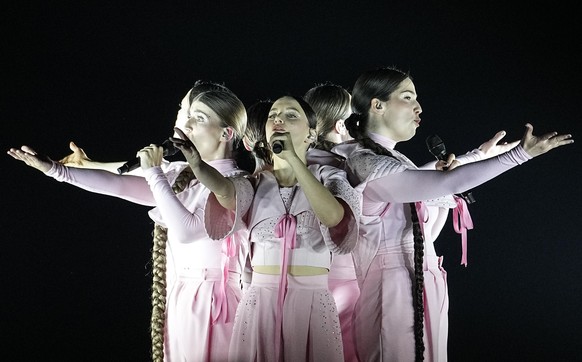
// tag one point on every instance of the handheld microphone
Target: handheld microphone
(277, 146)
(437, 148)
(169, 150)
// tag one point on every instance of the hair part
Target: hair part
(206, 86)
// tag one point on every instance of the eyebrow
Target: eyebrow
(198, 111)
(287, 109)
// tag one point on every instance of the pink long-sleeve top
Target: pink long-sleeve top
(182, 214)
(388, 184)
(314, 241)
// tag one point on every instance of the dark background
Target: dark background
(75, 266)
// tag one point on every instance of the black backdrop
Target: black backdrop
(75, 265)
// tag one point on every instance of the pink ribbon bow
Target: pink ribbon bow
(286, 228)
(219, 304)
(462, 222)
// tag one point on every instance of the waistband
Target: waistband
(387, 261)
(210, 274)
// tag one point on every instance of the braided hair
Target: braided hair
(160, 235)
(381, 83)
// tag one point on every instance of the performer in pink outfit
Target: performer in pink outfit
(390, 313)
(299, 215)
(203, 298)
(331, 104)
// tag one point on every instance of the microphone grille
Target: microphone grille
(433, 141)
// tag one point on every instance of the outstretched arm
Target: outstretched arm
(78, 158)
(413, 185)
(130, 188)
(487, 149)
(31, 158)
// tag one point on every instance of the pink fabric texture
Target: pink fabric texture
(310, 332)
(345, 291)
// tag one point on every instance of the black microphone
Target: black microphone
(436, 146)
(169, 150)
(277, 146)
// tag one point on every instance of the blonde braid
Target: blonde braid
(160, 237)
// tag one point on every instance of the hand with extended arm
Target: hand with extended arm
(79, 159)
(31, 158)
(391, 184)
(488, 149)
(76, 159)
(538, 145)
(492, 147)
(131, 188)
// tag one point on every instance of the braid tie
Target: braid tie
(160, 238)
(418, 285)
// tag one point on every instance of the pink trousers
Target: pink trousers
(310, 327)
(383, 317)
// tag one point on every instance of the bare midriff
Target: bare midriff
(295, 270)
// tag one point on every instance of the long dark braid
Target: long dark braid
(160, 237)
(380, 83)
(418, 286)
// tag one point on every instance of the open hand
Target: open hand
(538, 145)
(493, 148)
(31, 158)
(76, 159)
